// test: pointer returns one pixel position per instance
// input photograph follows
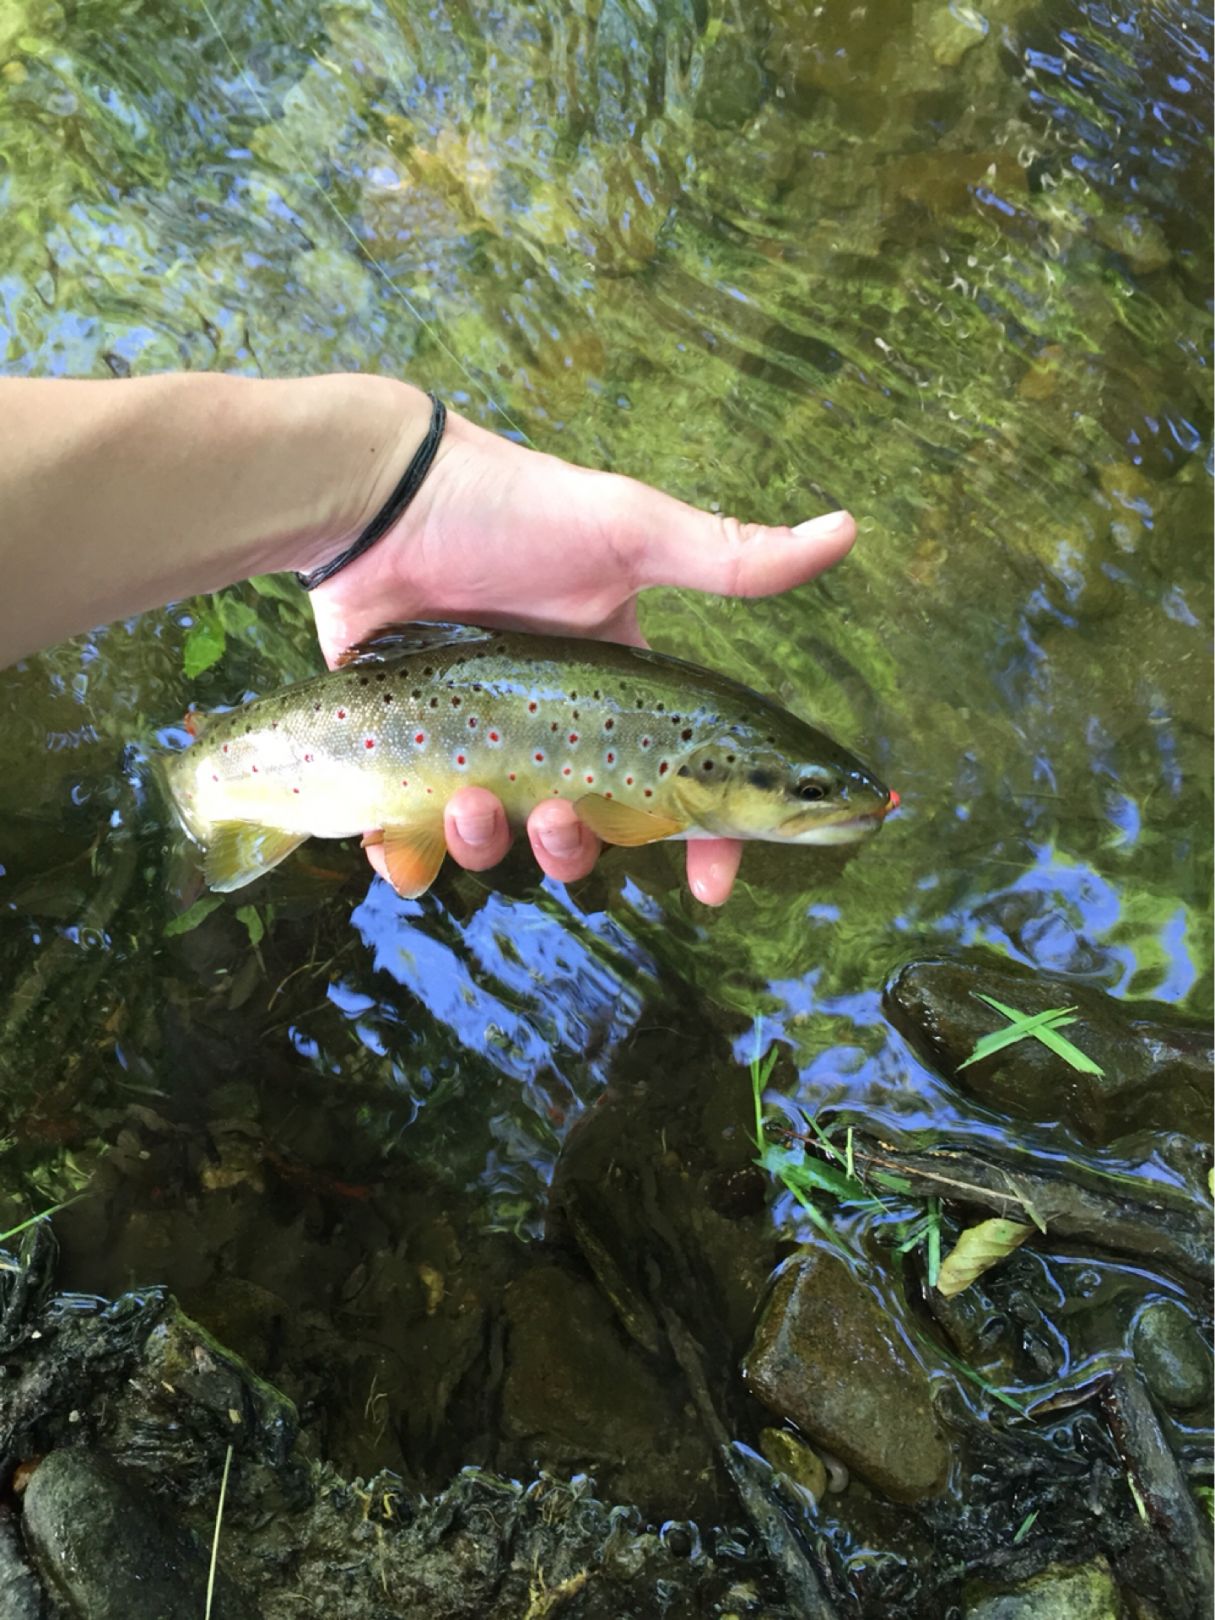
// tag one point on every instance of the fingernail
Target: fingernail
(562, 840)
(829, 524)
(708, 887)
(475, 829)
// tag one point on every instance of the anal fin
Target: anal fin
(618, 823)
(413, 855)
(239, 851)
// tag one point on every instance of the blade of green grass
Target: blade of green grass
(42, 1215)
(1045, 1031)
(219, 1519)
(1023, 1025)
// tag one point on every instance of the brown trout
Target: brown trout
(644, 746)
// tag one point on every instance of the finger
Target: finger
(474, 824)
(678, 545)
(564, 846)
(712, 867)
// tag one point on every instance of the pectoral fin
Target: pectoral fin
(239, 851)
(413, 855)
(618, 823)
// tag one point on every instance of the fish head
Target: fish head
(815, 793)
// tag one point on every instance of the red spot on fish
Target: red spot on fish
(493, 736)
(608, 724)
(368, 742)
(532, 707)
(420, 737)
(649, 793)
(663, 768)
(214, 778)
(404, 783)
(341, 714)
(645, 742)
(568, 771)
(472, 721)
(611, 759)
(295, 790)
(307, 759)
(459, 759)
(225, 748)
(607, 795)
(573, 736)
(253, 768)
(190, 722)
(539, 758)
(629, 780)
(590, 778)
(512, 776)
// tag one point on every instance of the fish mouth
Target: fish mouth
(848, 829)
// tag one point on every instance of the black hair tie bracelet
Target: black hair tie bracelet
(392, 508)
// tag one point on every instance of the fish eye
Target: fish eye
(811, 792)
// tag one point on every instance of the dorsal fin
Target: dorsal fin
(415, 637)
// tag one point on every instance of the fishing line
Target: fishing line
(304, 169)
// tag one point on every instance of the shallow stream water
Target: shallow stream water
(947, 266)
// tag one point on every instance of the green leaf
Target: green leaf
(191, 919)
(1069, 1053)
(1024, 1024)
(204, 647)
(1042, 1026)
(1026, 1525)
(277, 587)
(976, 1251)
(254, 925)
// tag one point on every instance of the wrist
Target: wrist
(345, 440)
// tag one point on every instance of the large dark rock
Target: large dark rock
(827, 1354)
(1171, 1354)
(108, 1552)
(1157, 1068)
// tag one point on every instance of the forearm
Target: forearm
(119, 496)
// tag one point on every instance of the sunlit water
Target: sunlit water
(945, 266)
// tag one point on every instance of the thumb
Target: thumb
(679, 545)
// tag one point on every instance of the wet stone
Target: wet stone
(1087, 1592)
(1172, 1355)
(20, 1594)
(578, 1395)
(107, 1550)
(794, 1458)
(1157, 1070)
(828, 1357)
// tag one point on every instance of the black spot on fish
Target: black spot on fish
(761, 779)
(686, 734)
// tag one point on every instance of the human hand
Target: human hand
(503, 535)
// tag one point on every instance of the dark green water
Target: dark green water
(949, 269)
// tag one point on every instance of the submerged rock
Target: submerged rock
(1171, 1354)
(1157, 1071)
(828, 1356)
(108, 1552)
(576, 1393)
(1058, 1593)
